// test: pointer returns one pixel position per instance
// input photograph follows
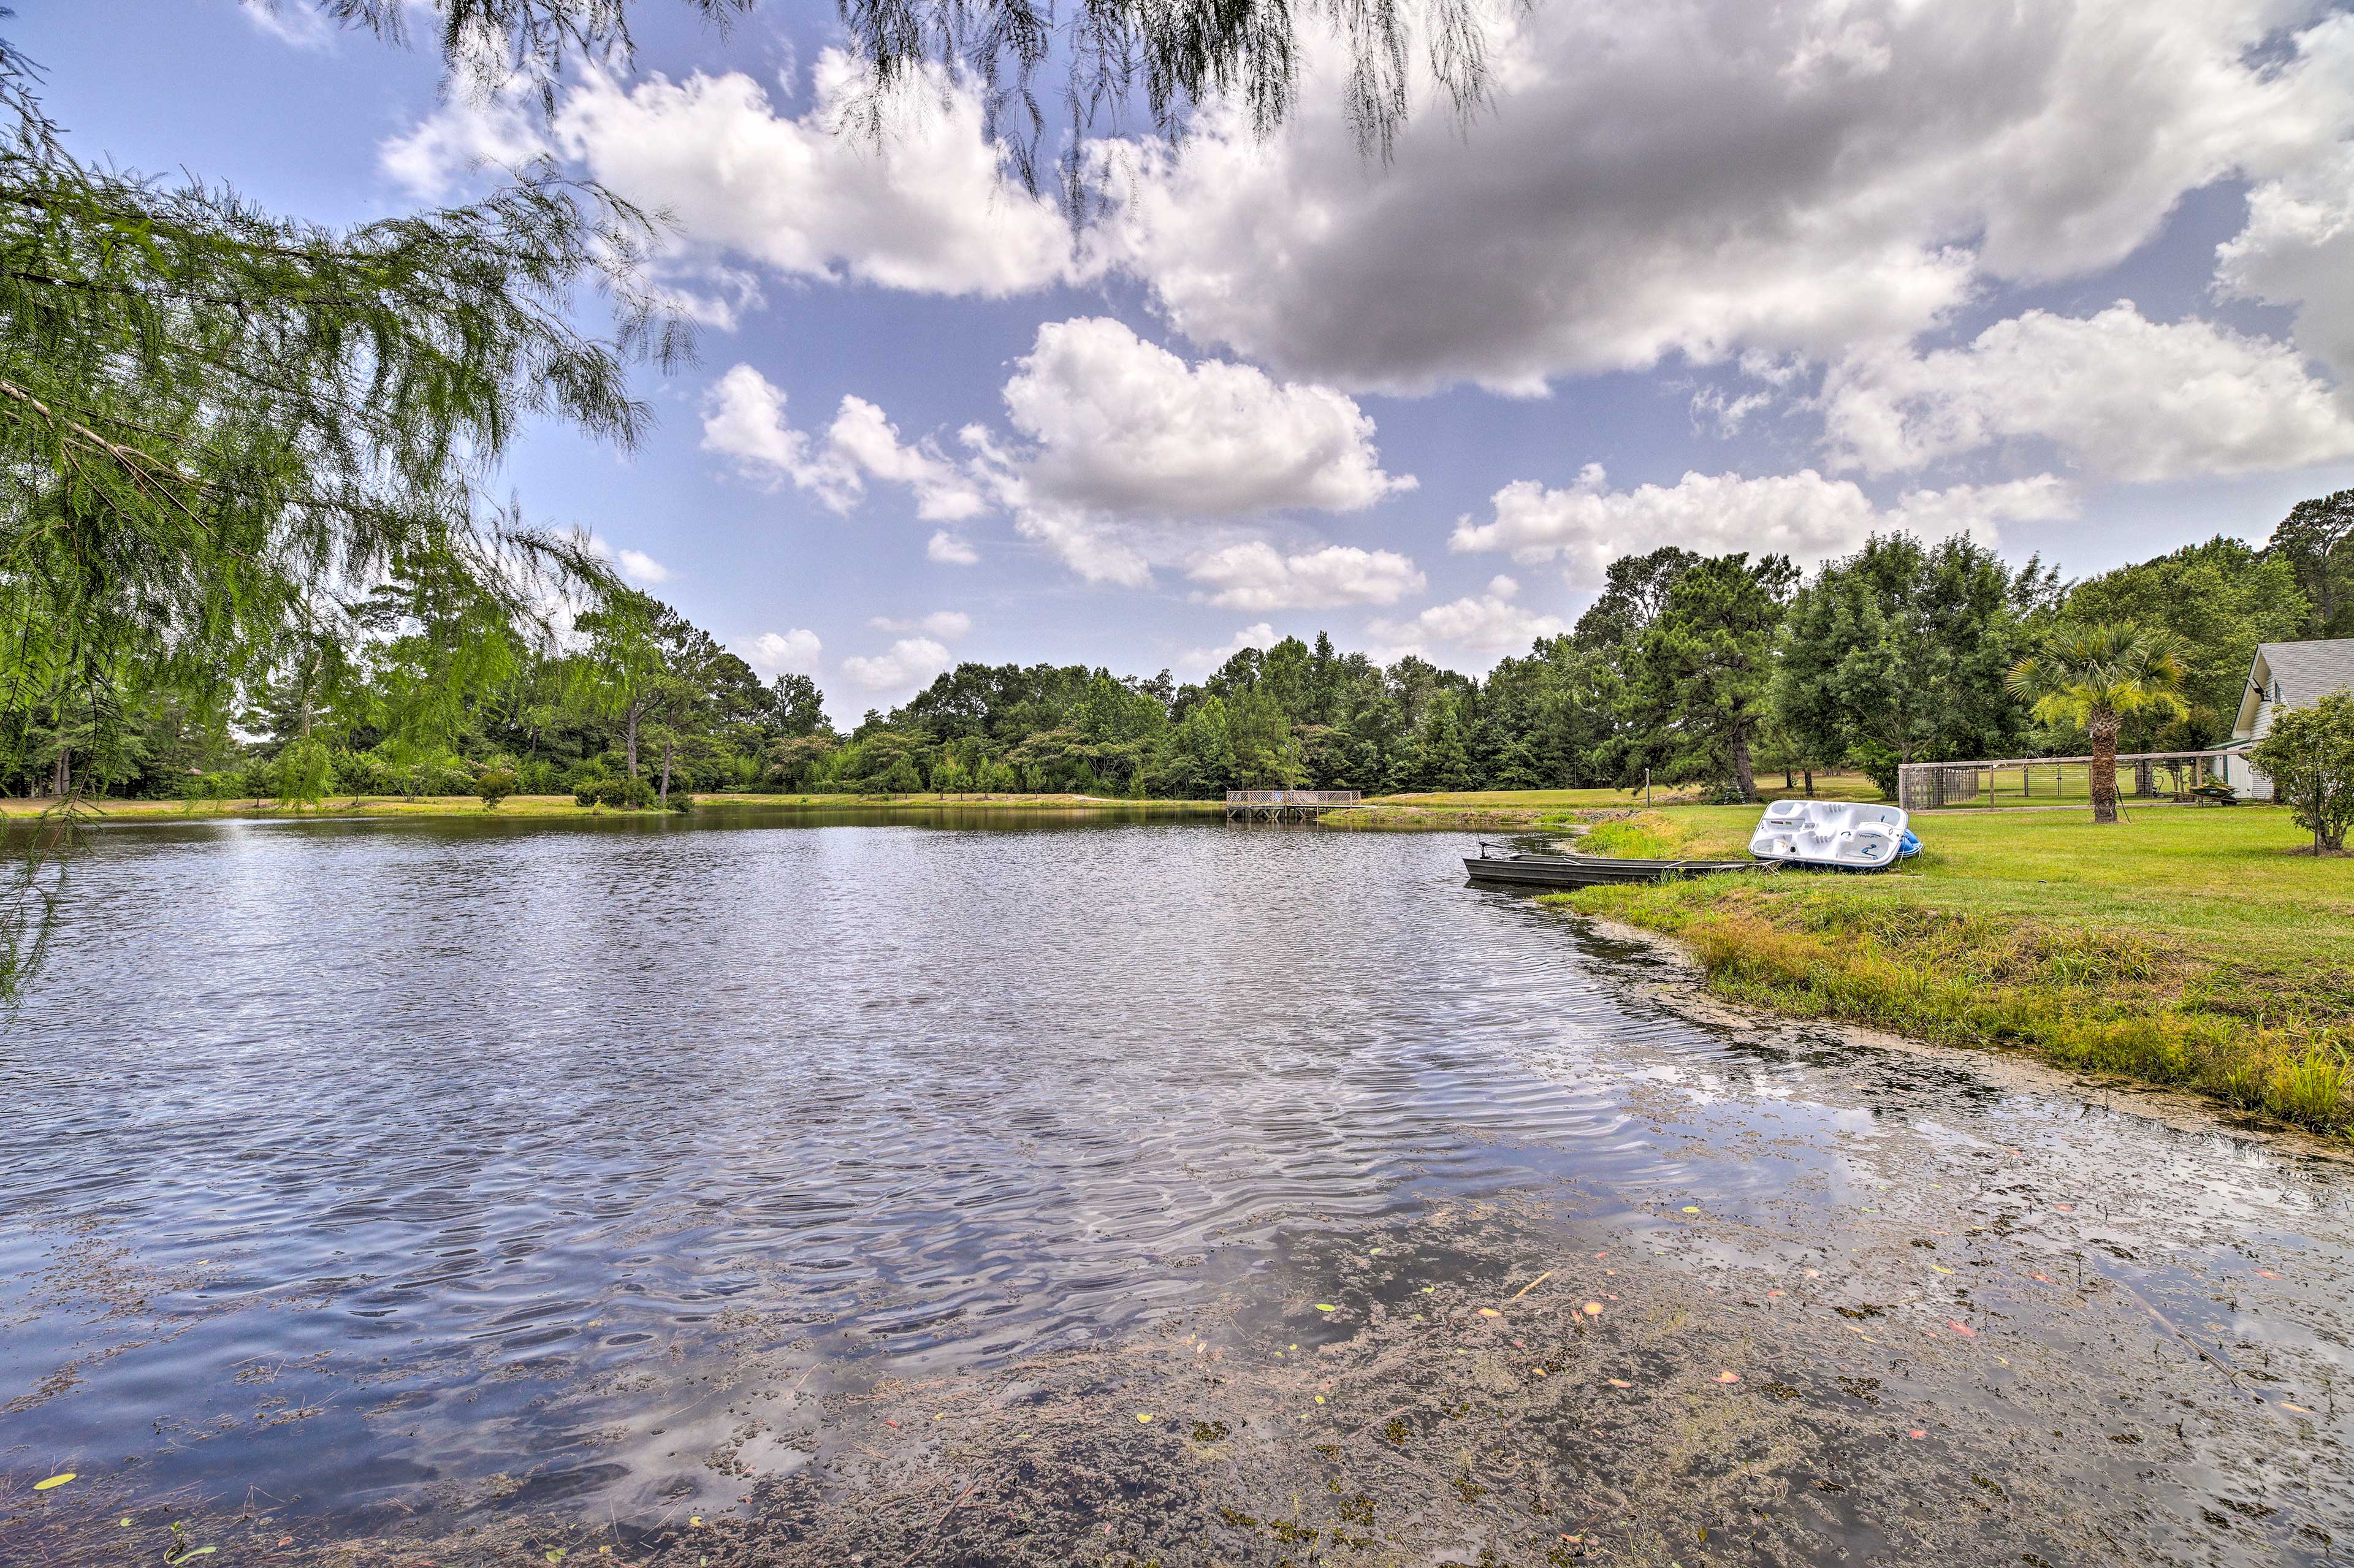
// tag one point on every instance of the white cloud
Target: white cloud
(1705, 177)
(1255, 576)
(1124, 425)
(744, 419)
(948, 625)
(927, 207)
(290, 22)
(1803, 515)
(441, 154)
(1203, 660)
(774, 653)
(2297, 250)
(1490, 622)
(910, 664)
(861, 434)
(947, 549)
(642, 568)
(635, 565)
(1090, 547)
(2123, 397)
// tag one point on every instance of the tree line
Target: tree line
(1686, 669)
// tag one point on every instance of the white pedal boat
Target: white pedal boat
(1833, 833)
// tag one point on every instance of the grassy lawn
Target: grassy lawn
(2191, 947)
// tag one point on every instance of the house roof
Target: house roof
(2308, 669)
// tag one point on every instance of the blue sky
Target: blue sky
(1705, 272)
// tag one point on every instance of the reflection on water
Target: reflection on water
(350, 1160)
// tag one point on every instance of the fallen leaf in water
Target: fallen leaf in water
(2065, 1208)
(126, 1524)
(1147, 1415)
(888, 1422)
(1728, 1377)
(1594, 1309)
(1941, 1268)
(1771, 1294)
(1320, 1399)
(1620, 1383)
(1326, 1307)
(2045, 1278)
(1539, 1372)
(1917, 1431)
(285, 1540)
(1964, 1329)
(1489, 1312)
(2267, 1274)
(1692, 1208)
(2300, 1409)
(1814, 1273)
(55, 1481)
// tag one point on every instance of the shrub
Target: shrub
(495, 786)
(623, 794)
(2308, 755)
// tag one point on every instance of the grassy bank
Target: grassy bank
(2194, 949)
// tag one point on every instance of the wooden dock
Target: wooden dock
(1287, 805)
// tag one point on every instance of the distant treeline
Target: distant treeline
(1707, 669)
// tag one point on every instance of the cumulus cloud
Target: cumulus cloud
(2122, 396)
(910, 664)
(1803, 515)
(929, 207)
(1490, 623)
(1124, 425)
(1703, 177)
(862, 435)
(948, 549)
(1114, 439)
(948, 625)
(635, 565)
(1095, 550)
(1256, 576)
(744, 420)
(2297, 251)
(774, 653)
(292, 24)
(1201, 661)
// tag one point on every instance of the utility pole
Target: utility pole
(1647, 786)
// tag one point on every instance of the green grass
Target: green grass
(2193, 948)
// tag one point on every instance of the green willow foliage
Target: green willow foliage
(220, 427)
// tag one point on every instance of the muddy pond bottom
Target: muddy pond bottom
(754, 1189)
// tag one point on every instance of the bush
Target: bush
(496, 786)
(623, 794)
(2310, 756)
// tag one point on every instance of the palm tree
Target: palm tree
(2098, 676)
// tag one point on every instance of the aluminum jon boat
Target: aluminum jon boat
(1553, 871)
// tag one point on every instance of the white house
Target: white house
(2282, 676)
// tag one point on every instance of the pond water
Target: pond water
(363, 1165)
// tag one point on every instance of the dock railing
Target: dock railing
(1287, 805)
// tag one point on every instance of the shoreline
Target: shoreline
(2191, 954)
(1686, 994)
